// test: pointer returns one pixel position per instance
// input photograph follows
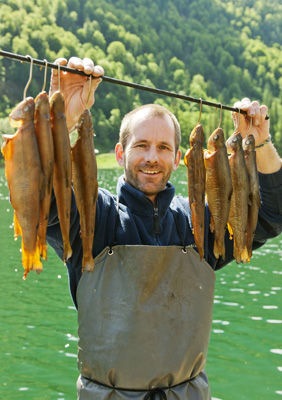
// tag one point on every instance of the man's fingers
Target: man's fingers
(98, 71)
(243, 104)
(263, 111)
(76, 63)
(59, 61)
(88, 65)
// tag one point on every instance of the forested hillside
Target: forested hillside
(218, 50)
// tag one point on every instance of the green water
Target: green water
(38, 326)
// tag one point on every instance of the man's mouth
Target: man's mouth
(149, 172)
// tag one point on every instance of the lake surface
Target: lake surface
(38, 326)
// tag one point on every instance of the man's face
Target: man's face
(149, 156)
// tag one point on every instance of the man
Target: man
(145, 312)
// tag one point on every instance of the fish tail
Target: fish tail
(245, 255)
(219, 248)
(67, 251)
(31, 260)
(43, 251)
(88, 264)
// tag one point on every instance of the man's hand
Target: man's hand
(254, 122)
(78, 90)
(268, 160)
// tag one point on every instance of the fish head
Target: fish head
(197, 136)
(23, 112)
(234, 143)
(249, 143)
(57, 103)
(84, 123)
(216, 140)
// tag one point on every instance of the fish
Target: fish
(218, 188)
(238, 215)
(44, 137)
(85, 185)
(196, 174)
(62, 168)
(24, 177)
(254, 198)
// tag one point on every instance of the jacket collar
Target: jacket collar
(138, 203)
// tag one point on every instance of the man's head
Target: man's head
(151, 110)
(149, 148)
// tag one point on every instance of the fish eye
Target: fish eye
(216, 137)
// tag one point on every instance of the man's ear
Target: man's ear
(177, 159)
(119, 154)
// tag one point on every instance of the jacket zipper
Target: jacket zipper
(156, 221)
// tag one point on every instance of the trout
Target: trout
(238, 216)
(218, 188)
(85, 185)
(254, 198)
(46, 150)
(62, 168)
(196, 173)
(24, 177)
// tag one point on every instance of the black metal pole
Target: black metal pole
(120, 82)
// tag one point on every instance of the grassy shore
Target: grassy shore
(107, 161)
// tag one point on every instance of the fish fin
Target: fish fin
(230, 231)
(186, 157)
(7, 137)
(6, 149)
(207, 154)
(17, 227)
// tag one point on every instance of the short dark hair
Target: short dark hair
(155, 110)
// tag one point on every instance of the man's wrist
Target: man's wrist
(267, 140)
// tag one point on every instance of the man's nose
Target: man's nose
(152, 154)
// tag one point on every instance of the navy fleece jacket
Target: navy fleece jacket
(138, 222)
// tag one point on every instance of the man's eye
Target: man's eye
(163, 147)
(140, 145)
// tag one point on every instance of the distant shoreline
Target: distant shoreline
(104, 161)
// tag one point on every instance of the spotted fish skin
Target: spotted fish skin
(62, 168)
(42, 123)
(218, 188)
(196, 174)
(24, 178)
(254, 198)
(238, 216)
(85, 185)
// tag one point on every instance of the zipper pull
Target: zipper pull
(156, 221)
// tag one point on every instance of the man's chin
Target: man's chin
(151, 190)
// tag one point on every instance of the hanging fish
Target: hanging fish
(24, 177)
(62, 168)
(194, 161)
(218, 188)
(238, 215)
(85, 185)
(44, 137)
(254, 199)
